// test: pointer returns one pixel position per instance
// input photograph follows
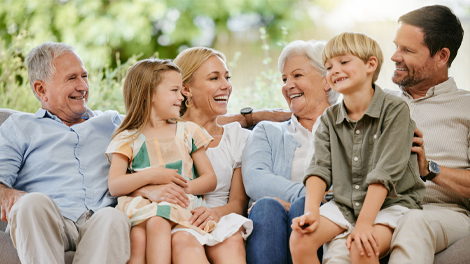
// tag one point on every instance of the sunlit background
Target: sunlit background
(111, 35)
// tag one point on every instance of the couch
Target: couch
(457, 253)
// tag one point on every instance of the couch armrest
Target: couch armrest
(5, 113)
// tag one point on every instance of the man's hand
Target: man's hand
(201, 216)
(170, 193)
(418, 148)
(306, 223)
(365, 238)
(8, 197)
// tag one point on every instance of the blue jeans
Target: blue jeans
(269, 241)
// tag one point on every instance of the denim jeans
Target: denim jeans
(269, 241)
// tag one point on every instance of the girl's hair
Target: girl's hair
(356, 44)
(189, 60)
(140, 84)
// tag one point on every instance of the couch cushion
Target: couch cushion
(5, 113)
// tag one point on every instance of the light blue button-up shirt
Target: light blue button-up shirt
(39, 153)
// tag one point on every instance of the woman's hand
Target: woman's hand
(365, 238)
(306, 223)
(201, 216)
(165, 176)
(285, 204)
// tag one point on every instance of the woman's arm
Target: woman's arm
(120, 183)
(207, 181)
(237, 203)
(257, 170)
(237, 200)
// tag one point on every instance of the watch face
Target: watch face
(246, 110)
(434, 167)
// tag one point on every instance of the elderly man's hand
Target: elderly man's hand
(8, 197)
(170, 193)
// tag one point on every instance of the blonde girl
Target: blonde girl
(151, 147)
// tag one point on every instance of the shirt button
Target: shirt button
(356, 158)
(375, 136)
(356, 204)
(358, 131)
(357, 187)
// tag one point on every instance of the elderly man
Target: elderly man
(427, 42)
(53, 171)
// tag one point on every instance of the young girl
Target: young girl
(156, 149)
(362, 148)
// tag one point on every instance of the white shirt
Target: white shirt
(225, 158)
(302, 155)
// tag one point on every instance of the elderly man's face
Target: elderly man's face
(414, 65)
(66, 95)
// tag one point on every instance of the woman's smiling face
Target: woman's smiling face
(211, 87)
(303, 86)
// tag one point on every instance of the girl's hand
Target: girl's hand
(201, 216)
(164, 176)
(306, 223)
(365, 238)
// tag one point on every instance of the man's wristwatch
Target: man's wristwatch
(246, 112)
(433, 171)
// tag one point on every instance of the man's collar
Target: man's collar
(373, 110)
(441, 88)
(43, 113)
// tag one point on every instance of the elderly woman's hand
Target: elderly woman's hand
(285, 204)
(201, 216)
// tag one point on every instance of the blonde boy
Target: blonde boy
(362, 148)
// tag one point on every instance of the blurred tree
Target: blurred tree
(101, 28)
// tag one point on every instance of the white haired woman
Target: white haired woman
(277, 154)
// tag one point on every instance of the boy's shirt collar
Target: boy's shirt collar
(374, 109)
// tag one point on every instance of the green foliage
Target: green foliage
(265, 92)
(101, 28)
(15, 91)
(106, 32)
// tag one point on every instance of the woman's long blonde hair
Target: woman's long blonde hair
(142, 79)
(189, 60)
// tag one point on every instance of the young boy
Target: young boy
(362, 148)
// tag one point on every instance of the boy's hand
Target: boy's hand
(165, 176)
(306, 223)
(365, 238)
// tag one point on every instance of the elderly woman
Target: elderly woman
(207, 89)
(277, 154)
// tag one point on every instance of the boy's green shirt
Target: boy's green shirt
(350, 155)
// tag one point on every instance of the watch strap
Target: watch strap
(248, 119)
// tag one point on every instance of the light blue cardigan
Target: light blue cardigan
(267, 163)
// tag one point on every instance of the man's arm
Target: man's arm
(276, 115)
(455, 180)
(8, 197)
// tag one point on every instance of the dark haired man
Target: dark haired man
(427, 42)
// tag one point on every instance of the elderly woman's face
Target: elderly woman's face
(211, 87)
(303, 87)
